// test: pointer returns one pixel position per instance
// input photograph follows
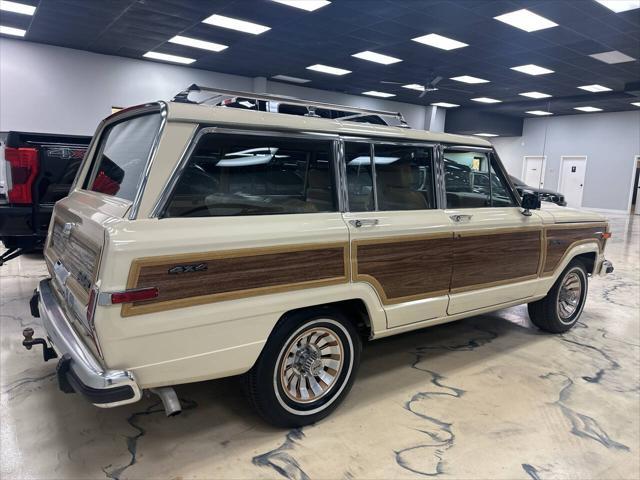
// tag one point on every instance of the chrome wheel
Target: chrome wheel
(311, 365)
(569, 296)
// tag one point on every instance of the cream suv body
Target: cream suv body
(202, 242)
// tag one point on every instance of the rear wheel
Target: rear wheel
(306, 368)
(560, 310)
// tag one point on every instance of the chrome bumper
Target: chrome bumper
(606, 267)
(78, 367)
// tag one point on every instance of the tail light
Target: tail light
(137, 295)
(606, 235)
(23, 165)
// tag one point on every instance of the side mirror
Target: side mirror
(530, 201)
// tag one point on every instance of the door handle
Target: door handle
(369, 222)
(460, 218)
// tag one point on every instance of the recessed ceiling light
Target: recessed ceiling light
(526, 20)
(535, 94)
(16, 32)
(192, 42)
(376, 57)
(486, 100)
(486, 135)
(613, 56)
(327, 69)
(374, 93)
(588, 109)
(532, 69)
(287, 78)
(445, 105)
(637, 104)
(438, 41)
(15, 7)
(620, 5)
(235, 24)
(469, 79)
(595, 88)
(308, 5)
(169, 58)
(538, 112)
(414, 86)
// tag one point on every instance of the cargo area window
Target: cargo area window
(230, 175)
(122, 155)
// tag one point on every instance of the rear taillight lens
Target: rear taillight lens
(134, 295)
(23, 165)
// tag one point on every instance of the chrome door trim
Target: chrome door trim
(441, 194)
(340, 175)
(374, 178)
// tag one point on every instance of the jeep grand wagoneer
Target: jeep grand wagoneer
(203, 241)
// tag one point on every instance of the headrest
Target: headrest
(395, 176)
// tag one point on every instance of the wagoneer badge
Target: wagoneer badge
(198, 267)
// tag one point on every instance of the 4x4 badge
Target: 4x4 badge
(198, 267)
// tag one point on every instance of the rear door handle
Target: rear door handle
(460, 218)
(367, 222)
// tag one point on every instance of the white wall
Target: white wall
(52, 89)
(609, 140)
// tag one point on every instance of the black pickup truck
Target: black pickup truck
(40, 169)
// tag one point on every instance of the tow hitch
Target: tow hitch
(47, 352)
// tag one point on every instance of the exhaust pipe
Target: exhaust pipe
(169, 399)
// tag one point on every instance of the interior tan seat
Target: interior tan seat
(319, 193)
(395, 191)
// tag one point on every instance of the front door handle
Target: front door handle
(460, 218)
(369, 222)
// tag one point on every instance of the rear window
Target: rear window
(230, 175)
(122, 154)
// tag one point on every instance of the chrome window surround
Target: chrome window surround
(96, 142)
(340, 171)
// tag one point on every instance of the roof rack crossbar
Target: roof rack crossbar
(311, 105)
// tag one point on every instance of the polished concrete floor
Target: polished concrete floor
(487, 397)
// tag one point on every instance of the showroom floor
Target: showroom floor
(485, 397)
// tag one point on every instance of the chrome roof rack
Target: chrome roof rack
(310, 105)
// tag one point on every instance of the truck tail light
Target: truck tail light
(23, 166)
(606, 235)
(138, 295)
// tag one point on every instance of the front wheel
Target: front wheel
(306, 368)
(560, 310)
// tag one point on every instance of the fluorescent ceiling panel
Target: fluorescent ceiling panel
(595, 88)
(414, 86)
(169, 58)
(195, 43)
(620, 5)
(469, 79)
(308, 5)
(535, 94)
(486, 100)
(538, 112)
(438, 41)
(588, 109)
(445, 105)
(486, 135)
(236, 24)
(327, 69)
(532, 69)
(614, 56)
(636, 104)
(376, 57)
(16, 32)
(16, 7)
(374, 93)
(526, 20)
(287, 78)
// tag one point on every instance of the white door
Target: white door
(572, 174)
(533, 171)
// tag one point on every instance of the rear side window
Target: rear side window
(231, 175)
(122, 155)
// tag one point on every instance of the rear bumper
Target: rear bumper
(606, 267)
(78, 369)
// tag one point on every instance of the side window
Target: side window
(122, 155)
(230, 175)
(467, 178)
(404, 179)
(500, 192)
(359, 177)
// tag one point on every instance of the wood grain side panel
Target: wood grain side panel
(236, 274)
(490, 259)
(405, 269)
(560, 239)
